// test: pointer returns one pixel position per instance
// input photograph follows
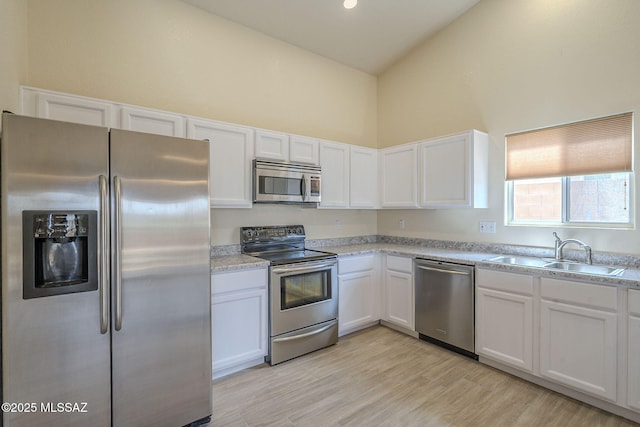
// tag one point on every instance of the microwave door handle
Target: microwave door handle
(303, 187)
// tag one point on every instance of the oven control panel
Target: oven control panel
(271, 233)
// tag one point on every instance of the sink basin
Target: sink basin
(576, 267)
(521, 260)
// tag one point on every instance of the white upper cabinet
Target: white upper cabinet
(303, 149)
(399, 177)
(72, 109)
(231, 153)
(363, 191)
(152, 121)
(272, 145)
(282, 147)
(334, 161)
(454, 171)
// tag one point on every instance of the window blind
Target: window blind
(590, 147)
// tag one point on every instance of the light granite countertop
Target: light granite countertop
(630, 278)
(236, 262)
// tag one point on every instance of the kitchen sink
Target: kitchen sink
(577, 267)
(546, 263)
(520, 260)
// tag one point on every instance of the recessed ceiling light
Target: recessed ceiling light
(350, 4)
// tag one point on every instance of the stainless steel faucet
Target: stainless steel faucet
(560, 244)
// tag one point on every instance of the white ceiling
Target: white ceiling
(369, 37)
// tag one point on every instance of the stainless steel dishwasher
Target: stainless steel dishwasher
(445, 305)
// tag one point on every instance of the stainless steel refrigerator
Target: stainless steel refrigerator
(105, 276)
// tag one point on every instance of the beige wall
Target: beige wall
(318, 223)
(169, 55)
(13, 52)
(506, 66)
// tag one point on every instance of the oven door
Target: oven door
(303, 294)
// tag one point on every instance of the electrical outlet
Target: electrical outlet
(402, 223)
(487, 227)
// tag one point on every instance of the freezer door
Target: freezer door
(53, 351)
(161, 300)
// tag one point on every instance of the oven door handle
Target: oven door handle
(306, 334)
(293, 270)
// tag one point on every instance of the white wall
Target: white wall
(507, 66)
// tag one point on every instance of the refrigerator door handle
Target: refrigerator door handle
(103, 256)
(117, 191)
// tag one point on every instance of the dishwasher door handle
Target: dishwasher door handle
(441, 270)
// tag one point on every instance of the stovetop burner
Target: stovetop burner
(289, 257)
(279, 244)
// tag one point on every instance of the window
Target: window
(572, 174)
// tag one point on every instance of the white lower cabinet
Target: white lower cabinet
(504, 317)
(359, 293)
(398, 294)
(239, 320)
(633, 350)
(578, 336)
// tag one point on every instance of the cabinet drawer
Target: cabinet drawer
(399, 263)
(634, 302)
(356, 263)
(503, 281)
(234, 281)
(600, 296)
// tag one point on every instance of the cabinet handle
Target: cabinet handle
(440, 270)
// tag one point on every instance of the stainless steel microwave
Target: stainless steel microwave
(275, 182)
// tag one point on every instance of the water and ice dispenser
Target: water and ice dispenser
(60, 252)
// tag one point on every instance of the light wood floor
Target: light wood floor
(380, 377)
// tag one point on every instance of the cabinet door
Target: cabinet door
(74, 109)
(239, 328)
(399, 306)
(363, 179)
(272, 145)
(334, 160)
(151, 121)
(445, 171)
(578, 347)
(454, 171)
(504, 327)
(399, 177)
(633, 350)
(358, 301)
(230, 156)
(304, 150)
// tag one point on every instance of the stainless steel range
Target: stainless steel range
(303, 290)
